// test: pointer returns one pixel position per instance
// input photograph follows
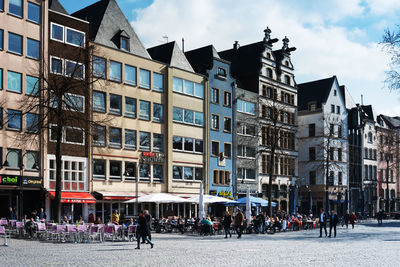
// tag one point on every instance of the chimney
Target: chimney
(236, 45)
(183, 45)
(362, 99)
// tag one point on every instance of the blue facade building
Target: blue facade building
(220, 176)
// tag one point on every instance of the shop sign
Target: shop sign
(32, 181)
(225, 194)
(213, 192)
(9, 179)
(149, 157)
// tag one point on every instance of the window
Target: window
(32, 122)
(15, 43)
(331, 153)
(198, 118)
(1, 9)
(74, 102)
(144, 171)
(198, 174)
(157, 172)
(246, 107)
(228, 150)
(115, 169)
(115, 104)
(177, 172)
(99, 135)
(221, 72)
(130, 139)
(99, 101)
(334, 92)
(130, 170)
(56, 65)
(269, 73)
(188, 173)
(115, 71)
(32, 48)
(247, 129)
(332, 108)
(32, 85)
(14, 158)
(32, 160)
(1, 39)
(331, 129)
(14, 82)
(1, 124)
(144, 76)
(337, 110)
(287, 79)
(369, 137)
(243, 173)
(158, 142)
(188, 144)
(144, 110)
(312, 178)
(198, 146)
(339, 154)
(33, 12)
(199, 90)
(227, 99)
(158, 82)
(124, 44)
(311, 129)
(177, 85)
(340, 178)
(188, 116)
(99, 67)
(311, 153)
(15, 7)
(177, 143)
(74, 69)
(74, 136)
(14, 120)
(177, 114)
(227, 124)
(130, 75)
(158, 112)
(130, 107)
(246, 151)
(214, 122)
(115, 137)
(339, 130)
(144, 141)
(215, 148)
(188, 87)
(74, 37)
(215, 95)
(57, 32)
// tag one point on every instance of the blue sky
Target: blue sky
(332, 37)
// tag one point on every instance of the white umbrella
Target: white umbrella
(158, 198)
(248, 206)
(201, 203)
(210, 199)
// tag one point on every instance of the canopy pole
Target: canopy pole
(157, 210)
(184, 210)
(190, 210)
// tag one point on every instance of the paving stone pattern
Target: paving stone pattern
(366, 245)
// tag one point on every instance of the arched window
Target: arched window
(269, 55)
(269, 73)
(287, 63)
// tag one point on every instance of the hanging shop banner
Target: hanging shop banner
(149, 157)
(32, 181)
(9, 179)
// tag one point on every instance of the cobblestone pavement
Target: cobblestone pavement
(366, 245)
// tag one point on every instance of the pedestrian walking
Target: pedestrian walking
(379, 217)
(142, 230)
(322, 222)
(353, 219)
(239, 218)
(346, 218)
(333, 220)
(227, 224)
(149, 221)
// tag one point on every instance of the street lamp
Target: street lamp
(127, 173)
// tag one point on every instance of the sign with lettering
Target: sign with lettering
(150, 157)
(9, 179)
(225, 194)
(32, 181)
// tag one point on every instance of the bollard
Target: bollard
(5, 239)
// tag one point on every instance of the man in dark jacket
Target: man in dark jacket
(142, 230)
(239, 219)
(227, 224)
(11, 214)
(322, 222)
(333, 220)
(149, 221)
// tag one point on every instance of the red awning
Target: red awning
(75, 197)
(117, 195)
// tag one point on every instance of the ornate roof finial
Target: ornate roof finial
(285, 43)
(267, 34)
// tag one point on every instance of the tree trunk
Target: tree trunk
(58, 173)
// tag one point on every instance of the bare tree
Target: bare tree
(276, 133)
(62, 101)
(391, 44)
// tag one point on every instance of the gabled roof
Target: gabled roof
(347, 97)
(106, 20)
(171, 54)
(315, 91)
(202, 58)
(369, 112)
(56, 6)
(392, 122)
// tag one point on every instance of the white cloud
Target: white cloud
(323, 48)
(383, 7)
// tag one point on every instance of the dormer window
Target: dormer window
(124, 43)
(269, 73)
(287, 79)
(269, 55)
(287, 63)
(312, 106)
(334, 92)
